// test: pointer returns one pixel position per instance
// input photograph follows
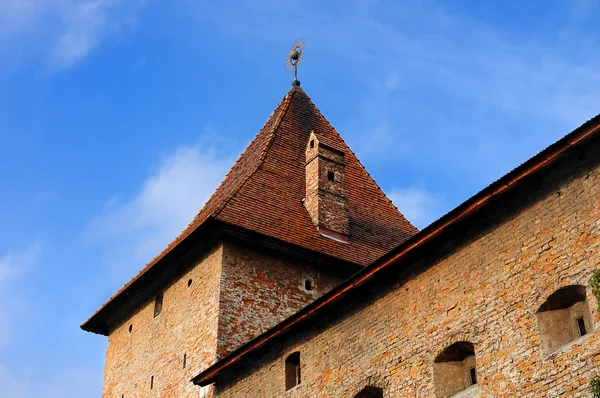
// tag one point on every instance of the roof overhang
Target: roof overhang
(533, 166)
(181, 257)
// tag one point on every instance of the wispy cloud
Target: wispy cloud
(60, 33)
(431, 70)
(136, 229)
(418, 205)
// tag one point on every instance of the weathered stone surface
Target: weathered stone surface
(156, 345)
(484, 286)
(236, 292)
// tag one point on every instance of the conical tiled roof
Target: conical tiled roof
(264, 192)
(265, 188)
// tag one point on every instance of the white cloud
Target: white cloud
(14, 265)
(432, 64)
(60, 32)
(137, 229)
(418, 205)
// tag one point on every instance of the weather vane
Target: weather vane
(293, 59)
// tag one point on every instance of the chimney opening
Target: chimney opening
(330, 175)
(308, 285)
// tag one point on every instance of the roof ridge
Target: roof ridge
(359, 162)
(261, 158)
(533, 165)
(262, 193)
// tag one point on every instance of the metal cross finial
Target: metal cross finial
(293, 59)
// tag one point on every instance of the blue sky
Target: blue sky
(118, 119)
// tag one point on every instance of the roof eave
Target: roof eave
(138, 286)
(215, 229)
(531, 166)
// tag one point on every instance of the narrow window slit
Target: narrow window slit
(151, 382)
(581, 325)
(473, 374)
(158, 304)
(292, 370)
(184, 360)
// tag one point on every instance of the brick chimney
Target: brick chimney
(325, 188)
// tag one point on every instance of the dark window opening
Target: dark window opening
(312, 143)
(581, 326)
(189, 283)
(184, 360)
(330, 175)
(563, 317)
(473, 375)
(158, 303)
(454, 369)
(370, 392)
(130, 328)
(151, 382)
(292, 370)
(308, 285)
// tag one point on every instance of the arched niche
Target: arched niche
(563, 317)
(454, 369)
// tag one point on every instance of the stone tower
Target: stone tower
(295, 216)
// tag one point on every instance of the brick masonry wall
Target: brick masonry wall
(155, 346)
(483, 286)
(311, 201)
(236, 293)
(260, 288)
(326, 200)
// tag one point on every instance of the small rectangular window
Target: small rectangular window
(292, 370)
(473, 375)
(330, 175)
(581, 325)
(158, 302)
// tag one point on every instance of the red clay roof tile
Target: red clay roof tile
(265, 188)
